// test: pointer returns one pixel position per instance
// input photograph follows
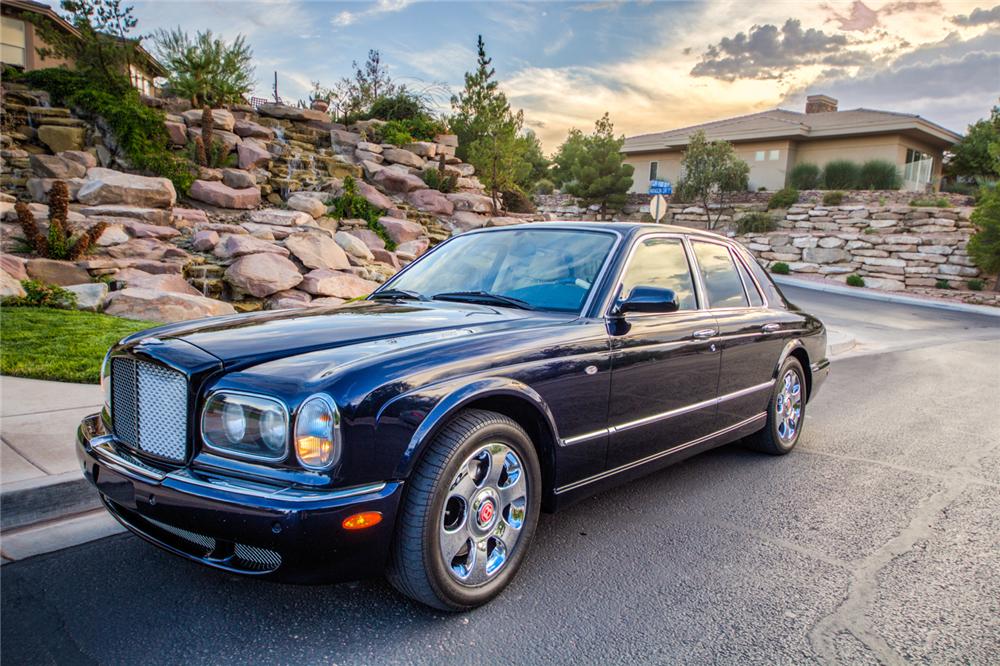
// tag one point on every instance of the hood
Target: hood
(243, 340)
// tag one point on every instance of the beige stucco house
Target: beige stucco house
(773, 142)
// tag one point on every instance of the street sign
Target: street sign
(660, 187)
(657, 207)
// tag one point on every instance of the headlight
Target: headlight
(317, 433)
(248, 426)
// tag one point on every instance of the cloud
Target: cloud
(766, 51)
(559, 44)
(863, 18)
(978, 17)
(346, 17)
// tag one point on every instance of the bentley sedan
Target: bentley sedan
(419, 432)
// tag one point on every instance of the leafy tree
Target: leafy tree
(207, 69)
(599, 176)
(534, 165)
(972, 158)
(104, 49)
(567, 156)
(712, 174)
(984, 246)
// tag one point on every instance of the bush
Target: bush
(878, 175)
(442, 181)
(784, 198)
(402, 132)
(516, 201)
(942, 284)
(939, 202)
(544, 186)
(855, 281)
(804, 176)
(351, 205)
(984, 245)
(755, 223)
(833, 198)
(61, 84)
(780, 268)
(401, 106)
(41, 295)
(975, 285)
(841, 175)
(396, 133)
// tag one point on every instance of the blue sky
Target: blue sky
(652, 65)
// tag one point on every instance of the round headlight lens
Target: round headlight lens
(272, 430)
(234, 421)
(317, 430)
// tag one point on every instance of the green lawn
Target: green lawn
(61, 345)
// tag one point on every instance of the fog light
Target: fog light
(363, 520)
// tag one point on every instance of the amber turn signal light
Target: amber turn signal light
(363, 520)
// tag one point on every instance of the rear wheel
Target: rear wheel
(786, 411)
(468, 514)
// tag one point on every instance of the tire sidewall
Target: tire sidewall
(444, 585)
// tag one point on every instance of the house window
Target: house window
(917, 171)
(140, 81)
(12, 42)
(653, 166)
(759, 157)
(773, 155)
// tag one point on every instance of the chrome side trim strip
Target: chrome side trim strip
(281, 494)
(657, 456)
(662, 416)
(104, 449)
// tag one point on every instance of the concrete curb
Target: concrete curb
(886, 296)
(838, 342)
(49, 498)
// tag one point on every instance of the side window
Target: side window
(756, 300)
(774, 298)
(662, 262)
(723, 285)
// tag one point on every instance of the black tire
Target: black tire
(416, 567)
(768, 439)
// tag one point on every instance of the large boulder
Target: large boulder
(422, 148)
(353, 245)
(291, 112)
(401, 231)
(89, 296)
(56, 166)
(13, 266)
(221, 118)
(248, 128)
(177, 132)
(107, 186)
(280, 217)
(252, 155)
(317, 250)
(371, 239)
(344, 137)
(52, 271)
(307, 204)
(159, 216)
(229, 141)
(263, 274)
(81, 157)
(404, 157)
(148, 249)
(238, 178)
(205, 240)
(223, 196)
(413, 248)
(397, 180)
(238, 245)
(462, 221)
(10, 286)
(324, 282)
(39, 188)
(373, 196)
(471, 202)
(162, 282)
(431, 201)
(59, 138)
(163, 306)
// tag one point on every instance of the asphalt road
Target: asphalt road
(876, 541)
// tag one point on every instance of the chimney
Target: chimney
(820, 104)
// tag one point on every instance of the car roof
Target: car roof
(624, 228)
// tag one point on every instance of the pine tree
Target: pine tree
(599, 176)
(480, 105)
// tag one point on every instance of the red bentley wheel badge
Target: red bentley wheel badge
(486, 512)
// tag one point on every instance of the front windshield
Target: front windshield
(545, 269)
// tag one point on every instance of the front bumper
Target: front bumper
(243, 527)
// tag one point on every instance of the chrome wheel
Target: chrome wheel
(788, 407)
(483, 514)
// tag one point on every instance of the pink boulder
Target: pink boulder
(223, 196)
(263, 274)
(324, 282)
(401, 231)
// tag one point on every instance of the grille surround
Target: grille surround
(149, 408)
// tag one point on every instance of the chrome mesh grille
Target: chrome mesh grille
(258, 557)
(149, 408)
(206, 542)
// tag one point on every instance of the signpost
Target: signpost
(660, 187)
(657, 207)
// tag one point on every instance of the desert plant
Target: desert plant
(975, 285)
(206, 69)
(207, 125)
(939, 202)
(198, 155)
(780, 268)
(755, 223)
(439, 179)
(712, 173)
(878, 175)
(942, 284)
(841, 175)
(40, 295)
(544, 186)
(834, 198)
(58, 243)
(984, 245)
(855, 280)
(804, 176)
(783, 198)
(351, 205)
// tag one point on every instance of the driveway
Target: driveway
(875, 541)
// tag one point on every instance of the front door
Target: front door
(665, 367)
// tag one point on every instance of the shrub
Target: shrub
(517, 201)
(401, 106)
(41, 295)
(783, 198)
(781, 268)
(544, 186)
(841, 175)
(984, 245)
(61, 84)
(939, 202)
(833, 198)
(878, 175)
(206, 69)
(352, 205)
(396, 133)
(57, 243)
(975, 285)
(942, 284)
(440, 180)
(755, 223)
(855, 281)
(804, 176)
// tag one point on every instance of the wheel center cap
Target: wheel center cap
(487, 510)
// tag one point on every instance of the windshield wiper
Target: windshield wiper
(398, 294)
(483, 297)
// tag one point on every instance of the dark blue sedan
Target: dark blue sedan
(419, 432)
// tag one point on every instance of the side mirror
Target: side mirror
(649, 299)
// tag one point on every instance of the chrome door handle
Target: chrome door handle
(704, 334)
(770, 328)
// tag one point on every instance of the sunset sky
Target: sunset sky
(652, 65)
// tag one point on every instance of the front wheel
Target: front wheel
(469, 513)
(786, 411)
